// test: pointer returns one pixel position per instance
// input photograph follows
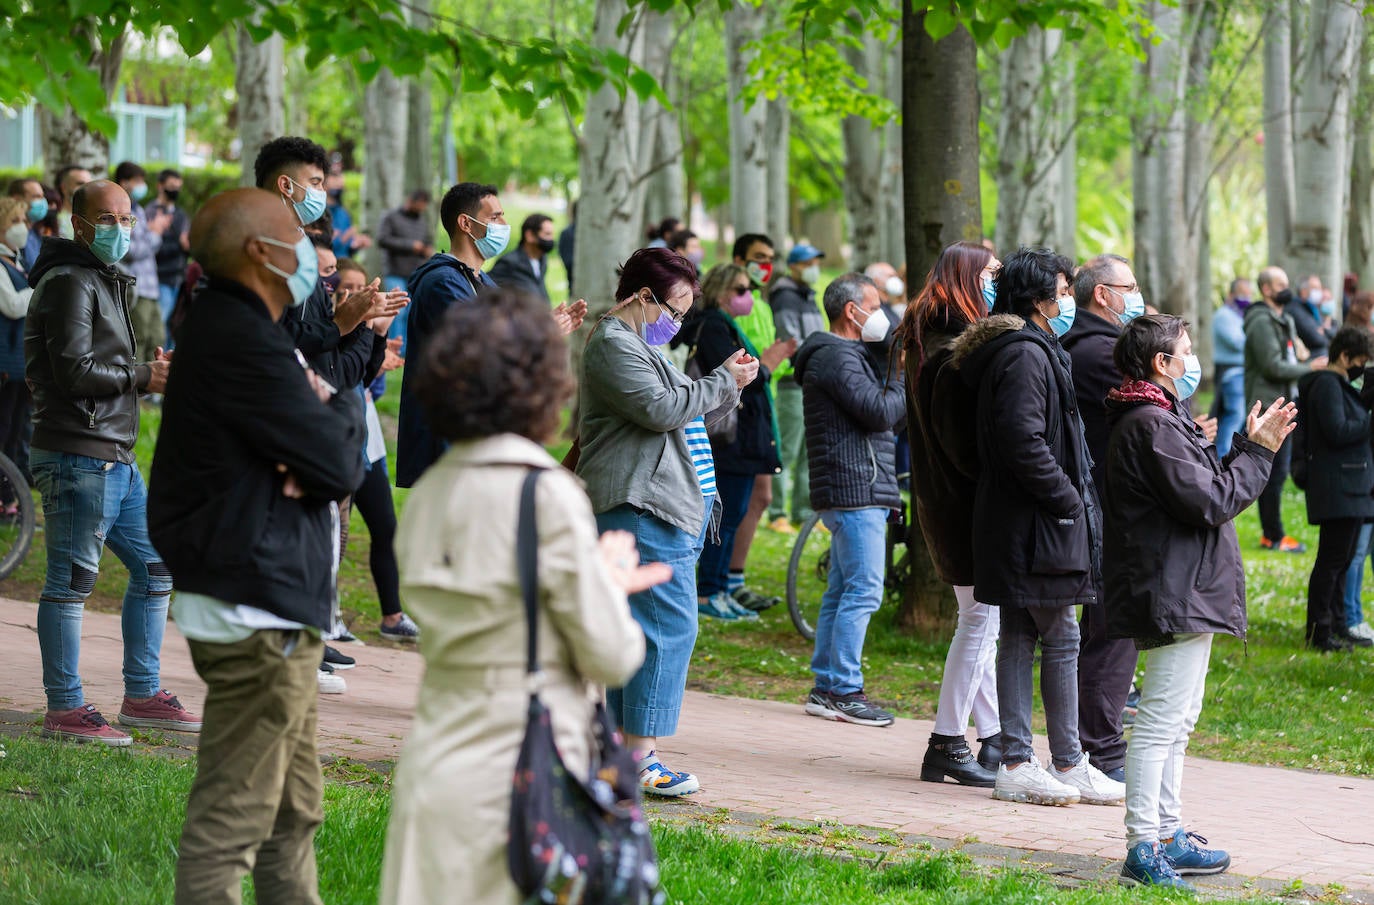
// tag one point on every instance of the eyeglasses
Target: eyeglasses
(677, 316)
(127, 221)
(1134, 287)
(740, 290)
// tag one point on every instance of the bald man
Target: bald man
(81, 366)
(254, 452)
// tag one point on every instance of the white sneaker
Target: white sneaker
(1031, 783)
(331, 684)
(1362, 631)
(1094, 786)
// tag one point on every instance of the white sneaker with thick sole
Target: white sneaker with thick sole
(1361, 631)
(331, 684)
(1031, 783)
(1094, 786)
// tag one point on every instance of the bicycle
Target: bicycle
(808, 571)
(18, 517)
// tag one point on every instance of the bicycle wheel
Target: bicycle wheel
(17, 517)
(808, 573)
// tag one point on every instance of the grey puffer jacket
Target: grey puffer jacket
(850, 414)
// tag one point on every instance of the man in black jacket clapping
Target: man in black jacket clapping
(253, 455)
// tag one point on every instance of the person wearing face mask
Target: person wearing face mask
(31, 192)
(851, 409)
(688, 244)
(1314, 315)
(748, 448)
(15, 294)
(347, 240)
(1036, 516)
(1228, 352)
(150, 330)
(1331, 452)
(646, 459)
(796, 316)
(1173, 574)
(68, 180)
(85, 378)
(176, 241)
(253, 453)
(526, 266)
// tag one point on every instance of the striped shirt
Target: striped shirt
(699, 446)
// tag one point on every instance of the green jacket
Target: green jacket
(1271, 362)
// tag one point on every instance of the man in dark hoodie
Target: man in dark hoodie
(792, 299)
(850, 412)
(81, 366)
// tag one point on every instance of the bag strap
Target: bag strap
(527, 564)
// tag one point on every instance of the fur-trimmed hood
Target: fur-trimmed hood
(977, 346)
(981, 332)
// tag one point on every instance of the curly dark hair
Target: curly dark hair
(1027, 277)
(280, 153)
(496, 365)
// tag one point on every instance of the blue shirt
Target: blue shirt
(1228, 336)
(342, 222)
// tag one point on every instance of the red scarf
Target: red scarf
(1132, 390)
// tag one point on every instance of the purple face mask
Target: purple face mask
(661, 331)
(1242, 303)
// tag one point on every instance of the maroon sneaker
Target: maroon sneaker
(161, 711)
(84, 724)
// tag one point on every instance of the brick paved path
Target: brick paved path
(770, 759)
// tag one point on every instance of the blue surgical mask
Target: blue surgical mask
(1186, 385)
(1328, 307)
(302, 282)
(111, 242)
(1062, 321)
(311, 208)
(139, 192)
(494, 241)
(38, 209)
(989, 294)
(1134, 302)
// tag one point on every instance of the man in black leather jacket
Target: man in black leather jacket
(81, 365)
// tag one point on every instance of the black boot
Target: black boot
(949, 756)
(990, 754)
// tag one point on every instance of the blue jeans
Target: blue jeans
(1230, 407)
(713, 571)
(398, 326)
(89, 504)
(1354, 578)
(858, 546)
(651, 701)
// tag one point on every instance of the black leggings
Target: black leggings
(373, 501)
(1326, 588)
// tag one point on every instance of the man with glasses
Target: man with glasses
(86, 382)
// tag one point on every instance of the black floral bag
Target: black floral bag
(573, 841)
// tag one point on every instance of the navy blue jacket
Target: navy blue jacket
(12, 333)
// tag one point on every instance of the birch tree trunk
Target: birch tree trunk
(1360, 232)
(1031, 137)
(385, 108)
(298, 81)
(258, 80)
(1159, 149)
(1278, 132)
(1066, 218)
(419, 168)
(1321, 126)
(777, 136)
(863, 155)
(1199, 140)
(665, 190)
(68, 140)
(748, 115)
(892, 238)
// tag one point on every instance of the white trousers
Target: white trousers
(1170, 701)
(969, 685)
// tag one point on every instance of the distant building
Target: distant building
(149, 135)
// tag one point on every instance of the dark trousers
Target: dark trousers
(1326, 588)
(1105, 670)
(713, 569)
(373, 501)
(15, 408)
(1271, 499)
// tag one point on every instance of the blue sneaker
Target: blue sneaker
(656, 779)
(1186, 857)
(1146, 866)
(722, 606)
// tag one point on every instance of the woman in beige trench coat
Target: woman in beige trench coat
(494, 383)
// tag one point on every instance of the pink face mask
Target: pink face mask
(741, 304)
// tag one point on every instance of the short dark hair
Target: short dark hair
(742, 244)
(1092, 274)
(533, 224)
(320, 240)
(678, 240)
(658, 269)
(1353, 342)
(1142, 339)
(845, 288)
(166, 174)
(280, 153)
(664, 228)
(496, 365)
(129, 170)
(1027, 277)
(324, 226)
(463, 198)
(420, 195)
(62, 174)
(16, 187)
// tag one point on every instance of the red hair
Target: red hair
(953, 292)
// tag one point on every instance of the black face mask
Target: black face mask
(545, 245)
(335, 195)
(414, 215)
(1283, 298)
(172, 194)
(1355, 372)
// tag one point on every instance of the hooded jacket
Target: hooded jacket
(79, 355)
(1172, 562)
(1090, 344)
(434, 286)
(795, 315)
(850, 413)
(1035, 512)
(1271, 360)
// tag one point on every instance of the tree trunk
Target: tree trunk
(777, 136)
(1360, 233)
(665, 190)
(1066, 219)
(940, 107)
(299, 81)
(863, 157)
(1322, 124)
(419, 171)
(748, 115)
(258, 80)
(1279, 191)
(385, 106)
(1032, 133)
(68, 140)
(1199, 138)
(891, 236)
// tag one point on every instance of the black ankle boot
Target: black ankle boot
(953, 759)
(990, 752)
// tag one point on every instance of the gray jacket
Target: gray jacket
(141, 260)
(634, 406)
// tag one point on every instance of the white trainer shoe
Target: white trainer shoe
(1362, 631)
(1031, 783)
(1094, 786)
(331, 684)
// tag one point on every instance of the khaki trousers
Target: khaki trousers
(256, 800)
(149, 329)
